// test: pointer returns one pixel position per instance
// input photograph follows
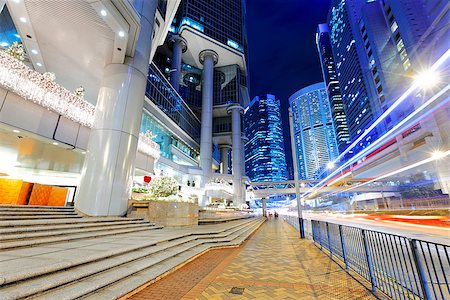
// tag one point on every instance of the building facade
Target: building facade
(189, 119)
(361, 104)
(265, 158)
(314, 136)
(332, 84)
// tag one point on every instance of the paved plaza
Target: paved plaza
(273, 264)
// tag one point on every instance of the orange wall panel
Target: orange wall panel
(24, 194)
(9, 190)
(58, 196)
(40, 194)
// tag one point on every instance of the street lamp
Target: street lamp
(331, 165)
(427, 79)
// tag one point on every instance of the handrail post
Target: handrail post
(369, 260)
(301, 228)
(329, 241)
(344, 253)
(320, 234)
(422, 278)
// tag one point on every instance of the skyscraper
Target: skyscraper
(265, 158)
(361, 104)
(332, 84)
(314, 137)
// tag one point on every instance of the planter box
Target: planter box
(164, 213)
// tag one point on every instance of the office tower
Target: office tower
(265, 158)
(314, 137)
(361, 104)
(332, 84)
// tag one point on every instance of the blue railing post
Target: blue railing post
(301, 228)
(369, 260)
(320, 234)
(422, 278)
(344, 253)
(329, 241)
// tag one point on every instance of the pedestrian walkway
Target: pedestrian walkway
(273, 264)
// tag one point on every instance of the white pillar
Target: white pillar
(244, 139)
(236, 154)
(2, 4)
(224, 149)
(208, 58)
(109, 163)
(179, 46)
(264, 207)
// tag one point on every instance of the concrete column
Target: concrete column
(2, 4)
(244, 139)
(296, 177)
(224, 149)
(208, 58)
(236, 154)
(264, 207)
(179, 46)
(108, 168)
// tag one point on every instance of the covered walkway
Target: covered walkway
(273, 264)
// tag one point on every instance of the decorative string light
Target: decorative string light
(42, 90)
(37, 88)
(147, 146)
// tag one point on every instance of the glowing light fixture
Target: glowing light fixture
(39, 64)
(55, 143)
(23, 19)
(103, 12)
(427, 79)
(438, 154)
(121, 33)
(34, 51)
(330, 165)
(16, 131)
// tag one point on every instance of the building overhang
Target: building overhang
(197, 42)
(76, 39)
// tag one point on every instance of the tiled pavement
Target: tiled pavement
(273, 264)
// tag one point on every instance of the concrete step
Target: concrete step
(65, 238)
(33, 207)
(154, 260)
(33, 217)
(37, 213)
(30, 279)
(42, 228)
(53, 233)
(27, 223)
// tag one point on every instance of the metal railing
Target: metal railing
(400, 267)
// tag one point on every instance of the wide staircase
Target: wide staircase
(54, 253)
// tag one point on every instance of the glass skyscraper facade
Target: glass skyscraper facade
(360, 104)
(222, 20)
(314, 136)
(332, 85)
(265, 158)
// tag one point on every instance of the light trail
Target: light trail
(415, 85)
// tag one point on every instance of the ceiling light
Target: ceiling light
(55, 143)
(84, 152)
(16, 131)
(121, 33)
(39, 64)
(438, 154)
(330, 165)
(4, 44)
(103, 12)
(23, 20)
(34, 51)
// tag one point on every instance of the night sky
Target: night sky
(283, 56)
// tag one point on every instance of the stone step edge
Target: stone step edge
(38, 213)
(107, 282)
(32, 235)
(37, 217)
(237, 242)
(100, 256)
(34, 206)
(44, 228)
(60, 221)
(50, 240)
(54, 286)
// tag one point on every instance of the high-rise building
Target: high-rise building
(265, 158)
(361, 103)
(332, 84)
(314, 136)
